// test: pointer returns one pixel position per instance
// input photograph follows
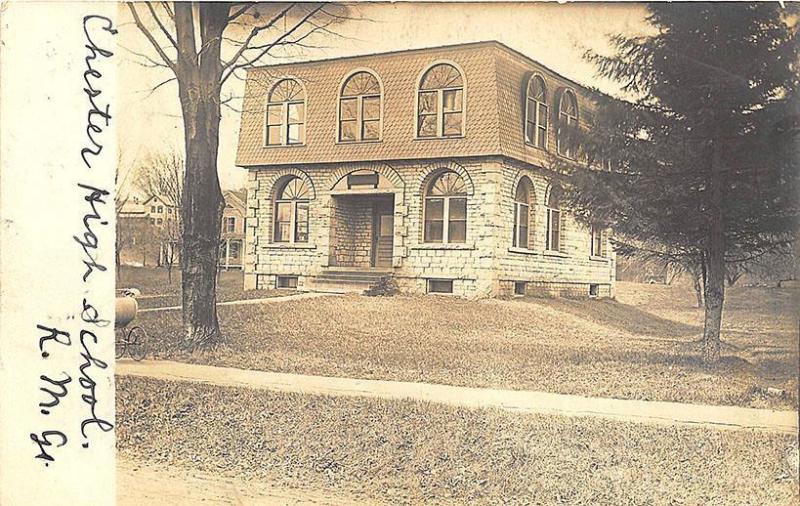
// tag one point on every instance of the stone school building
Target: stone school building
(428, 165)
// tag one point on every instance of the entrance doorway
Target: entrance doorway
(382, 233)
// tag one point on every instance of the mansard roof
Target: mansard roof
(495, 79)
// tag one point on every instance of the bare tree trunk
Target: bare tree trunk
(199, 92)
(714, 264)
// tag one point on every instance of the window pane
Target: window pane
(452, 123)
(524, 214)
(301, 222)
(457, 231)
(530, 132)
(458, 209)
(348, 110)
(523, 237)
(542, 140)
(434, 209)
(274, 135)
(296, 113)
(427, 102)
(514, 235)
(347, 131)
(433, 231)
(297, 134)
(440, 285)
(452, 100)
(427, 126)
(274, 114)
(543, 115)
(282, 232)
(283, 211)
(372, 108)
(555, 227)
(371, 129)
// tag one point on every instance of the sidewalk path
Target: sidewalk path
(266, 300)
(669, 413)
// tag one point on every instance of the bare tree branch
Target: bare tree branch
(241, 11)
(152, 62)
(151, 38)
(284, 36)
(255, 31)
(159, 85)
(161, 25)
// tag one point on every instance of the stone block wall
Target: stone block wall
(568, 271)
(351, 229)
(485, 265)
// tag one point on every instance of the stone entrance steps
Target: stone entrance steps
(347, 280)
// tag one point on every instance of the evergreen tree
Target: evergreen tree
(702, 166)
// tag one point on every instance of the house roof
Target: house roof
(236, 199)
(495, 78)
(162, 199)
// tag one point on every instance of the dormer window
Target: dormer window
(360, 108)
(440, 102)
(286, 114)
(567, 125)
(536, 113)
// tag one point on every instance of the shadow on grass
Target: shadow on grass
(613, 314)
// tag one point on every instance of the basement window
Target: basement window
(286, 282)
(519, 288)
(594, 290)
(440, 286)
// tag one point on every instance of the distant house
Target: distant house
(231, 252)
(427, 165)
(148, 231)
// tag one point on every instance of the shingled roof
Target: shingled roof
(495, 79)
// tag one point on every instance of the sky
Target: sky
(556, 35)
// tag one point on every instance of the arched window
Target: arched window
(522, 213)
(554, 219)
(286, 114)
(291, 211)
(536, 113)
(440, 102)
(567, 124)
(446, 209)
(360, 108)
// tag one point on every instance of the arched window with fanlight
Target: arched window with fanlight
(440, 102)
(567, 125)
(553, 206)
(286, 114)
(291, 211)
(536, 113)
(523, 197)
(360, 108)
(445, 209)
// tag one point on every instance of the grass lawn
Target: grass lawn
(403, 452)
(157, 291)
(645, 345)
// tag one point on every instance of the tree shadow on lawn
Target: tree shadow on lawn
(614, 314)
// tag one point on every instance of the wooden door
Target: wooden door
(382, 234)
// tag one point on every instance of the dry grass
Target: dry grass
(402, 452)
(643, 346)
(157, 291)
